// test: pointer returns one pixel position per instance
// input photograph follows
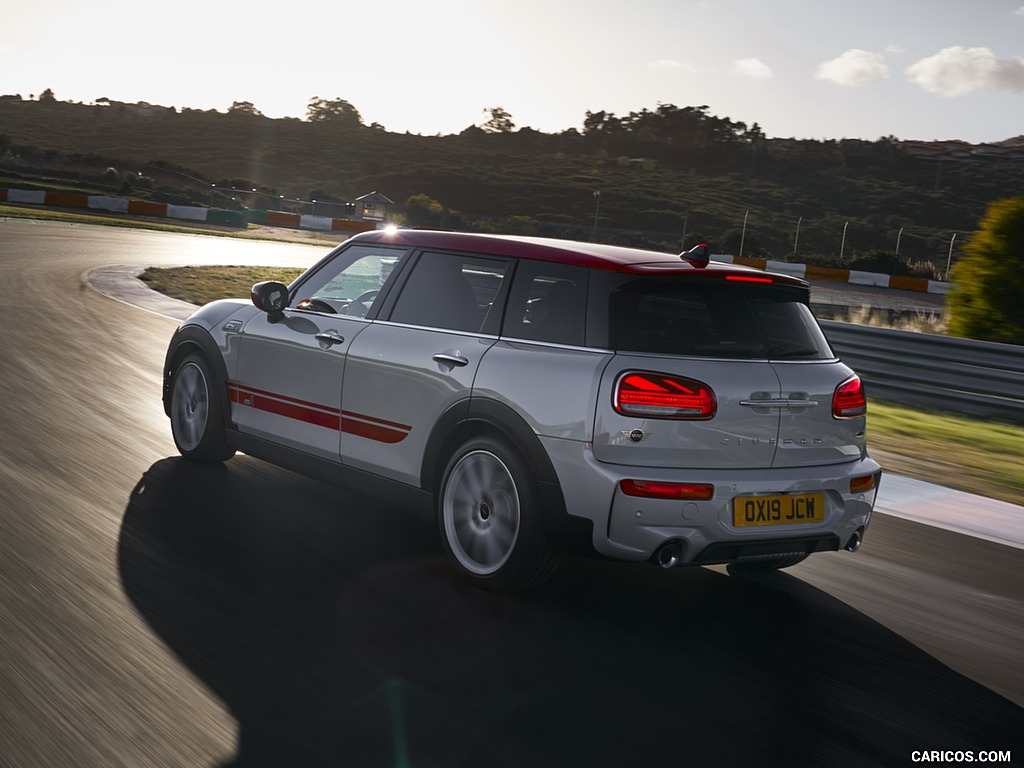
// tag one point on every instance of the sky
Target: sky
(807, 69)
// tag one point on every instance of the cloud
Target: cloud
(1019, 12)
(854, 67)
(753, 68)
(956, 71)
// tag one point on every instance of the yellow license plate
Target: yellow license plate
(778, 510)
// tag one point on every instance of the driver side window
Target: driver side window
(351, 283)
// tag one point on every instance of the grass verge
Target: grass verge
(982, 457)
(200, 285)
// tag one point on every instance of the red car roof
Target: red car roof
(592, 255)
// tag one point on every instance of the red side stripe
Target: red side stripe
(375, 420)
(349, 422)
(372, 431)
(285, 398)
(288, 407)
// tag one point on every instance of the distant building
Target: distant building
(372, 207)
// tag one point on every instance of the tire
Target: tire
(745, 567)
(198, 412)
(490, 518)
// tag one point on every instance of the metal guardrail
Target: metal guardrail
(975, 378)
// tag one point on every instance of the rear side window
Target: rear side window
(548, 302)
(716, 319)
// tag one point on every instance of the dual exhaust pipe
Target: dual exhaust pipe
(855, 541)
(668, 554)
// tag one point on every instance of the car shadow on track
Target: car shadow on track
(331, 627)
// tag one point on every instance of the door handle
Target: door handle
(453, 360)
(330, 338)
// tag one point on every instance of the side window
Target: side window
(450, 291)
(350, 283)
(548, 302)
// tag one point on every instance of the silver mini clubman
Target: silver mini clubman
(543, 396)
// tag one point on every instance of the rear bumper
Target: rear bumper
(732, 551)
(634, 528)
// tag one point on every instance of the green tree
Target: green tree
(987, 301)
(244, 108)
(424, 211)
(499, 121)
(601, 122)
(336, 110)
(426, 203)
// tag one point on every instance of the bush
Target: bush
(882, 262)
(988, 281)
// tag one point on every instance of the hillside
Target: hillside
(659, 173)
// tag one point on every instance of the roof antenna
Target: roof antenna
(698, 256)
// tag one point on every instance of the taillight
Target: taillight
(849, 400)
(665, 397)
(862, 484)
(656, 490)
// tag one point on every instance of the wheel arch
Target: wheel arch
(186, 340)
(472, 418)
(477, 417)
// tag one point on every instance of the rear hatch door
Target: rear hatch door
(809, 434)
(749, 346)
(735, 435)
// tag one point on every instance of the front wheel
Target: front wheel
(489, 515)
(198, 415)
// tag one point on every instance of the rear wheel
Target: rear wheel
(489, 515)
(198, 412)
(766, 564)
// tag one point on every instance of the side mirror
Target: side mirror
(271, 297)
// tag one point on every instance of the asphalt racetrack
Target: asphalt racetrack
(158, 613)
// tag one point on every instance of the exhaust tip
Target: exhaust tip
(855, 541)
(667, 555)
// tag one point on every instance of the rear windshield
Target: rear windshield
(716, 319)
